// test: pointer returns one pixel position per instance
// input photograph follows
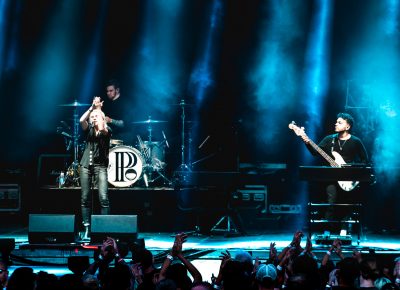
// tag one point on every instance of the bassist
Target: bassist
(345, 148)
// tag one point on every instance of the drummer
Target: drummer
(114, 95)
(116, 108)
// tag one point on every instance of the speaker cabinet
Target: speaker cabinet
(51, 228)
(10, 197)
(122, 228)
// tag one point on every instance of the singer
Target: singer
(94, 162)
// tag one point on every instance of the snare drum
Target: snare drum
(125, 166)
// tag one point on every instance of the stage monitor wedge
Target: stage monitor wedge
(51, 228)
(122, 228)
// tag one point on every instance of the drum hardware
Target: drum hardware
(116, 142)
(144, 150)
(153, 153)
(72, 176)
(75, 104)
(149, 121)
(183, 166)
(67, 136)
(165, 139)
(203, 158)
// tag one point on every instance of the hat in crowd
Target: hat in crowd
(266, 271)
(243, 256)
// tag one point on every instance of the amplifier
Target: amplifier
(254, 196)
(10, 197)
(285, 208)
(328, 240)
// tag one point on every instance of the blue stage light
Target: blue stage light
(374, 69)
(4, 10)
(157, 68)
(317, 65)
(49, 78)
(201, 77)
(392, 24)
(92, 60)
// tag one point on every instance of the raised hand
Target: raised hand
(308, 248)
(357, 255)
(137, 272)
(97, 103)
(257, 264)
(297, 239)
(225, 257)
(109, 249)
(177, 247)
(337, 244)
(273, 253)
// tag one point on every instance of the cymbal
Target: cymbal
(75, 104)
(149, 121)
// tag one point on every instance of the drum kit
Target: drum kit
(127, 165)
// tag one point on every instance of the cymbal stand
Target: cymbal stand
(149, 129)
(183, 166)
(72, 173)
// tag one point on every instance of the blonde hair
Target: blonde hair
(99, 111)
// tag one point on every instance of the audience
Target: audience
(3, 274)
(293, 268)
(22, 278)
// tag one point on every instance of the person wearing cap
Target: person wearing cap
(266, 276)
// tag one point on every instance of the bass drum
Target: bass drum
(125, 166)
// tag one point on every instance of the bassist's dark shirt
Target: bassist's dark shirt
(352, 150)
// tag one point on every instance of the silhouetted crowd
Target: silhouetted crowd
(293, 268)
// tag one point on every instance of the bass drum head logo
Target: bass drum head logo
(125, 166)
